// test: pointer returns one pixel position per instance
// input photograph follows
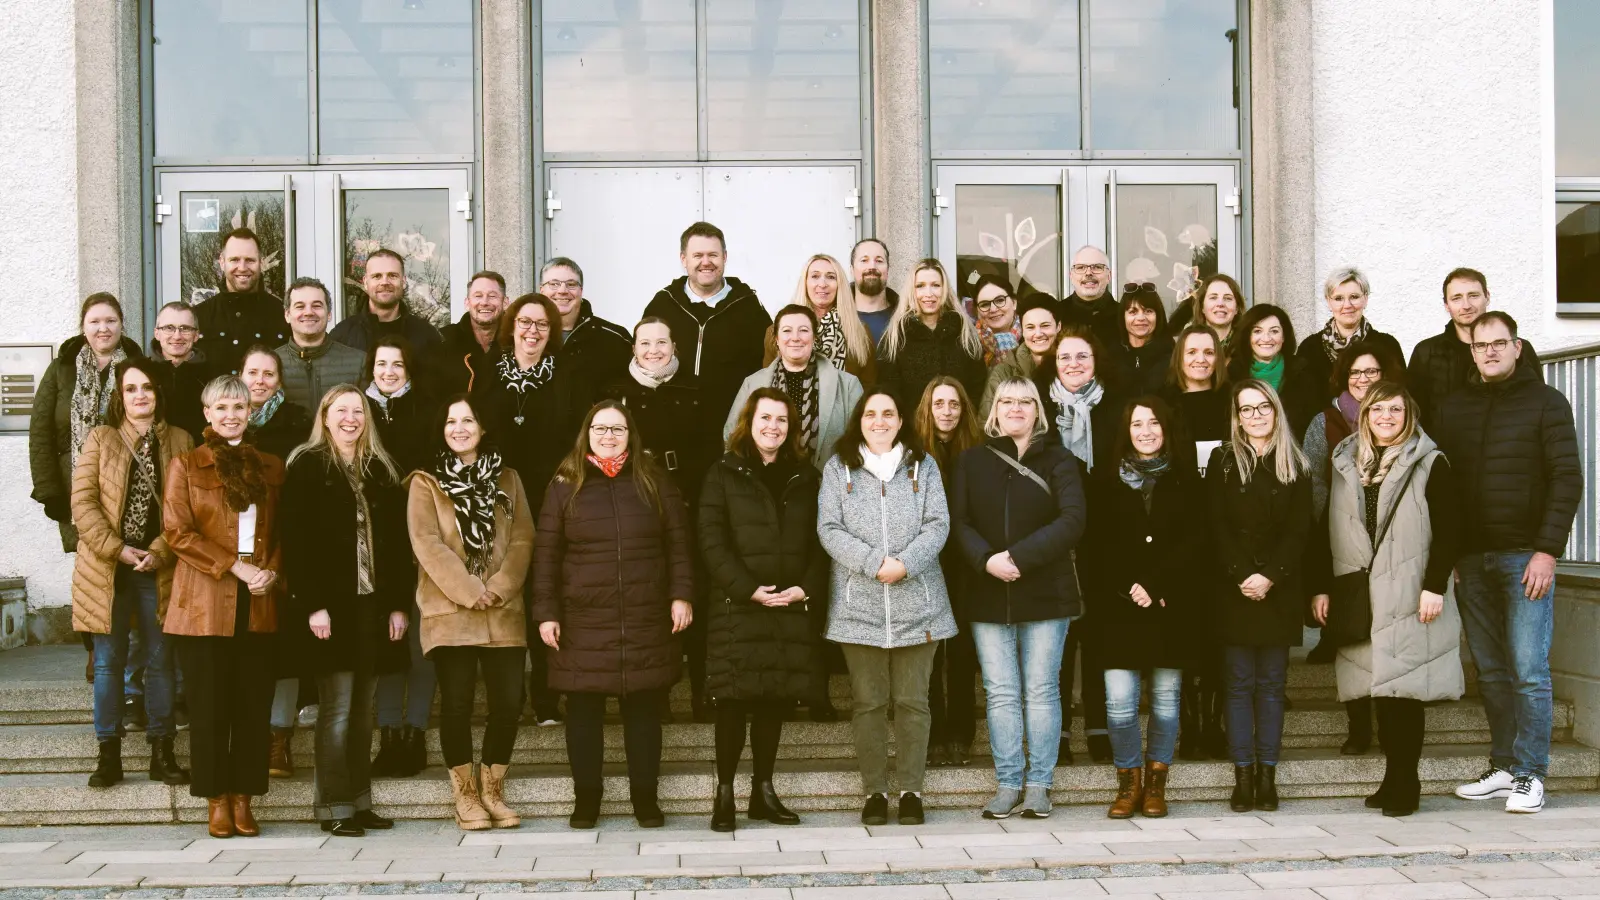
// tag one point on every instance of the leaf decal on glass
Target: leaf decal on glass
(1141, 269)
(1155, 239)
(992, 245)
(1025, 234)
(1194, 236)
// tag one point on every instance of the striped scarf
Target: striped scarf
(365, 580)
(803, 391)
(830, 339)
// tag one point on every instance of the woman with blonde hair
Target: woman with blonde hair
(1259, 489)
(842, 338)
(348, 559)
(928, 336)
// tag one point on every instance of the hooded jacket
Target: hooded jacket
(458, 364)
(720, 345)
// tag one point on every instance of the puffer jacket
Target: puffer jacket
(674, 425)
(862, 521)
(446, 590)
(608, 569)
(1405, 657)
(1515, 452)
(837, 394)
(750, 538)
(996, 508)
(1259, 528)
(723, 348)
(1441, 365)
(99, 497)
(597, 349)
(308, 372)
(50, 436)
(924, 355)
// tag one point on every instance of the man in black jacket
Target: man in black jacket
(1092, 302)
(387, 313)
(717, 323)
(1511, 441)
(463, 360)
(597, 350)
(182, 369)
(1441, 365)
(242, 314)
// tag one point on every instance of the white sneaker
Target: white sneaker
(1527, 796)
(1494, 782)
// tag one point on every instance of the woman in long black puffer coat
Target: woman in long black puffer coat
(765, 598)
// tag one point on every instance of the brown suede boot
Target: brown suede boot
(1130, 794)
(470, 814)
(280, 762)
(1155, 790)
(493, 797)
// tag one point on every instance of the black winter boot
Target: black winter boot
(383, 764)
(1266, 788)
(724, 812)
(766, 807)
(108, 768)
(1244, 789)
(164, 764)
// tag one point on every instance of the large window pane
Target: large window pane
(394, 77)
(230, 79)
(1578, 254)
(1166, 235)
(414, 223)
(1577, 87)
(619, 76)
(1011, 232)
(783, 76)
(1161, 75)
(205, 216)
(1003, 76)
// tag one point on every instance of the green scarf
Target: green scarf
(1271, 372)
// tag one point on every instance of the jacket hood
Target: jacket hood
(678, 289)
(1417, 447)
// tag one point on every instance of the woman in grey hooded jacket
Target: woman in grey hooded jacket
(882, 518)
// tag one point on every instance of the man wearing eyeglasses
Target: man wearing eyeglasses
(1511, 440)
(597, 350)
(182, 369)
(1441, 365)
(1091, 302)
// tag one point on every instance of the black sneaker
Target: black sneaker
(910, 810)
(876, 812)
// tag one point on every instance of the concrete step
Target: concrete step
(686, 788)
(1308, 725)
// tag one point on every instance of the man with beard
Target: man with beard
(311, 362)
(242, 313)
(386, 313)
(1091, 302)
(464, 359)
(875, 300)
(182, 370)
(597, 349)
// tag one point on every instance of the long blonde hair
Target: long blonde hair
(894, 337)
(1289, 462)
(857, 340)
(369, 447)
(1369, 456)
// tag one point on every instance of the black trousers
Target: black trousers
(641, 740)
(1400, 730)
(545, 701)
(952, 693)
(1094, 682)
(230, 683)
(457, 670)
(766, 728)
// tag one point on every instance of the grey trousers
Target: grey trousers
(343, 780)
(877, 678)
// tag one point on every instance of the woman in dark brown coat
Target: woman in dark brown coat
(612, 579)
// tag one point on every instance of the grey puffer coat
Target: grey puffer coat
(862, 521)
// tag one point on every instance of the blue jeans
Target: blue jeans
(135, 593)
(1509, 636)
(1256, 677)
(1122, 715)
(1021, 674)
(406, 698)
(285, 703)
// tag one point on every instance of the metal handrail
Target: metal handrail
(1575, 372)
(1570, 353)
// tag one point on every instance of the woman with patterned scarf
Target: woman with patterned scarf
(1346, 290)
(472, 533)
(220, 518)
(823, 394)
(71, 401)
(842, 338)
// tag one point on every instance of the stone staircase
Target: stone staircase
(47, 748)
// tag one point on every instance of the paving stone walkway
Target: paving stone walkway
(1310, 850)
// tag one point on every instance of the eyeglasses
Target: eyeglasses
(1396, 410)
(1086, 268)
(1014, 401)
(1367, 374)
(994, 303)
(1480, 348)
(1075, 357)
(562, 285)
(177, 329)
(613, 430)
(539, 325)
(1139, 287)
(1260, 410)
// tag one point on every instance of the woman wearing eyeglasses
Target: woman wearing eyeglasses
(995, 311)
(1141, 356)
(1346, 291)
(1260, 510)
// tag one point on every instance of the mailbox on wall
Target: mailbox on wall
(22, 368)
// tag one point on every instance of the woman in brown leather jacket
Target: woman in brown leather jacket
(219, 515)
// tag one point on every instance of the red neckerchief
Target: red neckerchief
(609, 466)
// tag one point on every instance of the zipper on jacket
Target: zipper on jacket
(700, 334)
(622, 610)
(883, 523)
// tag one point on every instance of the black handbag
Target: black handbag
(1350, 598)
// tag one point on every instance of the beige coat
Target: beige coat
(99, 493)
(446, 591)
(1405, 658)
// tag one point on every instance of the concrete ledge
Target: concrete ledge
(1574, 650)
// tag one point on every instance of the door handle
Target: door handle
(551, 204)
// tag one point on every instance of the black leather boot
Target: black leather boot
(411, 751)
(724, 812)
(586, 809)
(1266, 788)
(765, 806)
(164, 764)
(1244, 790)
(383, 764)
(108, 768)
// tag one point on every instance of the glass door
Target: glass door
(194, 210)
(1168, 225)
(1012, 223)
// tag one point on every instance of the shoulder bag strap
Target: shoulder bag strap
(1384, 528)
(1027, 473)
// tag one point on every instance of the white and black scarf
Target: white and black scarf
(1073, 417)
(830, 339)
(474, 488)
(803, 390)
(91, 393)
(524, 380)
(1333, 343)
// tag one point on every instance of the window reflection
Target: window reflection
(230, 79)
(1010, 232)
(204, 217)
(394, 78)
(1161, 74)
(1577, 85)
(1166, 234)
(1578, 253)
(1003, 77)
(414, 223)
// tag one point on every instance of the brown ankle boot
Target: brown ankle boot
(280, 762)
(1130, 794)
(219, 818)
(244, 821)
(492, 796)
(470, 814)
(1155, 790)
